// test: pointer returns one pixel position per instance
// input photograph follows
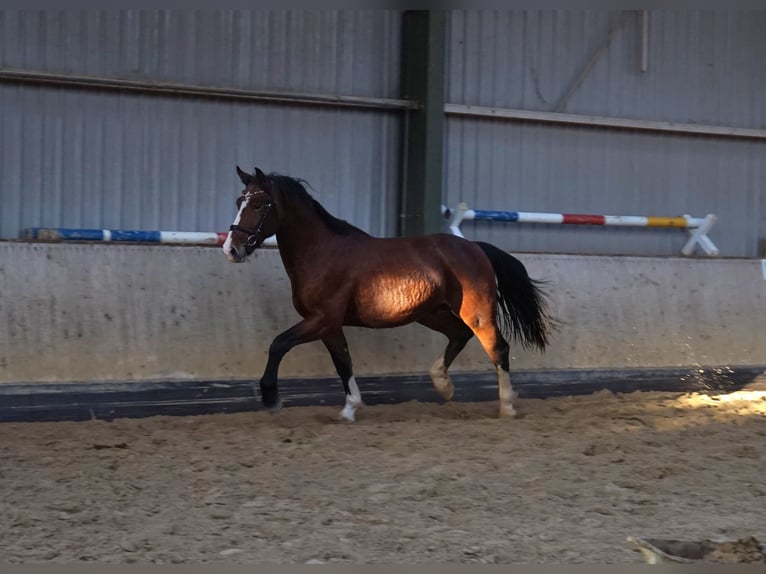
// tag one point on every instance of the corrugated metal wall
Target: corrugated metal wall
(97, 158)
(703, 67)
(94, 158)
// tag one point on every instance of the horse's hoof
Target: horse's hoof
(441, 380)
(443, 385)
(273, 408)
(446, 393)
(507, 411)
(348, 415)
(270, 397)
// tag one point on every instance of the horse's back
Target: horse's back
(440, 252)
(460, 257)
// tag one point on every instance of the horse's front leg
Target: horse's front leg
(304, 332)
(336, 344)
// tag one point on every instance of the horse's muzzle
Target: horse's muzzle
(235, 256)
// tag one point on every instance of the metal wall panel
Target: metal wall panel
(74, 157)
(328, 51)
(703, 67)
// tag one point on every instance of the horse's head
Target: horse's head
(256, 219)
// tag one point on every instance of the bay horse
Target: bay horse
(341, 276)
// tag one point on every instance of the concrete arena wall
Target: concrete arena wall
(94, 312)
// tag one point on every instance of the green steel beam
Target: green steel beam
(423, 66)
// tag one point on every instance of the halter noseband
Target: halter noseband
(252, 238)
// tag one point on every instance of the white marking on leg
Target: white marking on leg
(227, 243)
(353, 401)
(440, 378)
(506, 393)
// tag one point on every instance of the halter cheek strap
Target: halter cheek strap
(252, 239)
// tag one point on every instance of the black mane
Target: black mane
(295, 190)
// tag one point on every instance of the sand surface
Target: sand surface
(566, 481)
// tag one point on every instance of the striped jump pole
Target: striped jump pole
(122, 236)
(698, 227)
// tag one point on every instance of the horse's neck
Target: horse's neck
(301, 238)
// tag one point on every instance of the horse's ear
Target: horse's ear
(261, 180)
(245, 177)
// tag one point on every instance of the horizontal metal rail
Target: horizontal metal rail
(164, 88)
(126, 236)
(362, 102)
(602, 121)
(697, 227)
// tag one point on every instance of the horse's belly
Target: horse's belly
(391, 301)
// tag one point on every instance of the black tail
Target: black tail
(523, 312)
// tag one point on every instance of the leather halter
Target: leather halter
(252, 239)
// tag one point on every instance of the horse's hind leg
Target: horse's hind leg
(482, 320)
(505, 390)
(338, 347)
(458, 333)
(497, 349)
